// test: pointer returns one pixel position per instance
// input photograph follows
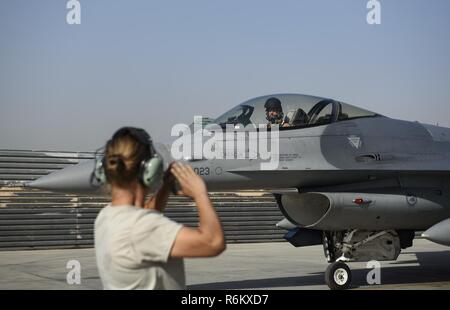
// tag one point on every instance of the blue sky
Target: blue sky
(156, 63)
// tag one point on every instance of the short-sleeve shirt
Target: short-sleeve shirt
(132, 248)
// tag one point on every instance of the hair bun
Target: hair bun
(115, 162)
(123, 156)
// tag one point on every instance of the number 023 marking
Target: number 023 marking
(202, 170)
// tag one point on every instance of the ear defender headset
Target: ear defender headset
(151, 169)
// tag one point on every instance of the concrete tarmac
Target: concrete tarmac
(265, 266)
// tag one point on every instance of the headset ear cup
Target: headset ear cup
(152, 173)
(99, 172)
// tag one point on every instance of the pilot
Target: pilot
(274, 113)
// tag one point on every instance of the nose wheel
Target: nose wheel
(338, 276)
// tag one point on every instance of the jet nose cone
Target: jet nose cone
(40, 183)
(72, 179)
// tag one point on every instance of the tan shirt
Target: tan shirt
(132, 247)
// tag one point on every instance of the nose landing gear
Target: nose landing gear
(356, 246)
(338, 276)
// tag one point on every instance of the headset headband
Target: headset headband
(138, 133)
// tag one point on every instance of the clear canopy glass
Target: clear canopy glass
(297, 111)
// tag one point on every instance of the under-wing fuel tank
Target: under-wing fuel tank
(342, 211)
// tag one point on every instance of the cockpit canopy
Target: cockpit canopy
(298, 111)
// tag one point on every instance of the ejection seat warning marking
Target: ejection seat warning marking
(355, 141)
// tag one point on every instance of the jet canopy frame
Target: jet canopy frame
(299, 111)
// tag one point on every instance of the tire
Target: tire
(338, 276)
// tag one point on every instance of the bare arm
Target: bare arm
(208, 238)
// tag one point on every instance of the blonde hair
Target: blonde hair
(123, 157)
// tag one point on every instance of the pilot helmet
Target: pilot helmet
(273, 104)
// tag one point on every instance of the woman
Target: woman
(136, 246)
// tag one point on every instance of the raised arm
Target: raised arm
(208, 238)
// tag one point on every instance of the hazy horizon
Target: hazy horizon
(153, 64)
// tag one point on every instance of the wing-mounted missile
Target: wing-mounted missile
(286, 224)
(439, 233)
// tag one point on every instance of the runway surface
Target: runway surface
(242, 266)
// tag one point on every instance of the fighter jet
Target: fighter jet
(360, 183)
